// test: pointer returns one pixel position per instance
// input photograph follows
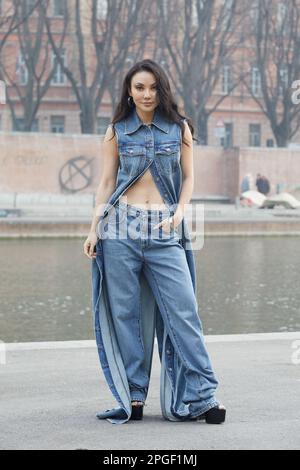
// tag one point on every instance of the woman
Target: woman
(143, 272)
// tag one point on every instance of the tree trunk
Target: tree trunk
(202, 127)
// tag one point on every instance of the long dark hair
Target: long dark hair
(167, 104)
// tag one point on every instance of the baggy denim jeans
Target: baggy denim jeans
(132, 244)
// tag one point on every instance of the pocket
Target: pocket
(98, 248)
(168, 157)
(132, 158)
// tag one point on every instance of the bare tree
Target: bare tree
(100, 50)
(276, 40)
(28, 75)
(11, 18)
(145, 37)
(199, 42)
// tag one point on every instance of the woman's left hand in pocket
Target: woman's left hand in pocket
(170, 222)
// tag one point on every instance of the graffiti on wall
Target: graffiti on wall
(76, 174)
(23, 160)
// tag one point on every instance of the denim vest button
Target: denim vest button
(168, 351)
(170, 368)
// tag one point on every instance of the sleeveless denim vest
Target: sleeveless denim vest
(157, 147)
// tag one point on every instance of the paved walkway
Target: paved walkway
(50, 393)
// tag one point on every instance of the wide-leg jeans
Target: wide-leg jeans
(131, 245)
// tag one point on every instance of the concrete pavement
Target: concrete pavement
(51, 392)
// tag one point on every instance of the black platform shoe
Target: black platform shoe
(215, 415)
(137, 411)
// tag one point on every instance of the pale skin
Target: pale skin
(143, 192)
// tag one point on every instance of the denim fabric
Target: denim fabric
(160, 255)
(144, 283)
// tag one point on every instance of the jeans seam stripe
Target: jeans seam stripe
(161, 297)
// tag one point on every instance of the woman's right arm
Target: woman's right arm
(105, 189)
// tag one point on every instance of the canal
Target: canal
(245, 285)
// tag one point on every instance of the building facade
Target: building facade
(237, 122)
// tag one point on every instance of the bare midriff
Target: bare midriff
(144, 194)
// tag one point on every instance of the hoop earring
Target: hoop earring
(130, 101)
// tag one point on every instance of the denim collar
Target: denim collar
(133, 122)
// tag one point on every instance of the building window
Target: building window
(227, 141)
(229, 9)
(59, 76)
(101, 9)
(58, 8)
(283, 19)
(256, 82)
(194, 14)
(102, 124)
(21, 70)
(226, 79)
(282, 14)
(19, 125)
(30, 5)
(58, 124)
(2, 92)
(284, 80)
(254, 14)
(165, 7)
(255, 135)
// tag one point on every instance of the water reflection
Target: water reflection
(45, 290)
(249, 285)
(244, 285)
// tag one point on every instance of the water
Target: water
(244, 285)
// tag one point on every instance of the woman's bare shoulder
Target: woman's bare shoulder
(110, 133)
